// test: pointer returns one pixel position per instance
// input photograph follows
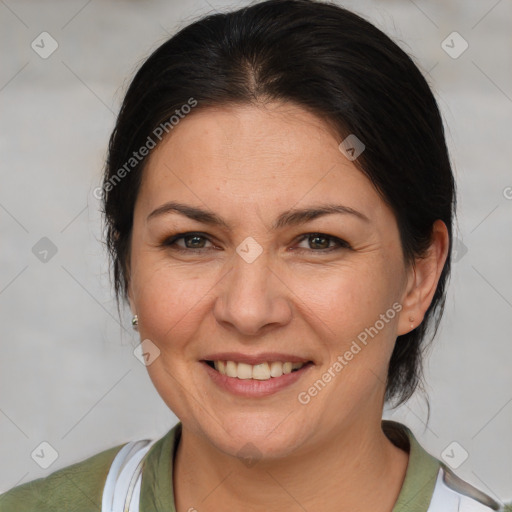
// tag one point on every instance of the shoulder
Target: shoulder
(430, 484)
(75, 488)
(453, 493)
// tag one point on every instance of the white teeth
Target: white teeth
(244, 371)
(262, 371)
(276, 369)
(231, 369)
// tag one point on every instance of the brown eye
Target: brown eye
(191, 242)
(194, 241)
(319, 242)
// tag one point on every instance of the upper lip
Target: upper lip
(253, 359)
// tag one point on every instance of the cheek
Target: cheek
(169, 302)
(347, 305)
(346, 300)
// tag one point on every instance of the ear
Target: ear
(423, 278)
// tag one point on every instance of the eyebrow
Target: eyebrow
(288, 218)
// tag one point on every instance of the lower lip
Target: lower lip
(253, 387)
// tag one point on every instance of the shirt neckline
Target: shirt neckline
(157, 489)
(422, 470)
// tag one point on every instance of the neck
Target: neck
(356, 469)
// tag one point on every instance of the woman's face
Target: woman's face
(256, 285)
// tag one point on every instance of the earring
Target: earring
(411, 319)
(135, 323)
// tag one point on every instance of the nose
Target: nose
(252, 298)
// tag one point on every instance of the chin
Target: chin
(253, 437)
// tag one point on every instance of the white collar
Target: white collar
(447, 499)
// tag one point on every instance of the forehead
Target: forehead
(274, 153)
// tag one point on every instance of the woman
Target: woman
(278, 200)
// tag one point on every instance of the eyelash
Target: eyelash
(171, 242)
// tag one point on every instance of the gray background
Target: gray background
(68, 375)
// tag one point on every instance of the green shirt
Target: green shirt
(79, 487)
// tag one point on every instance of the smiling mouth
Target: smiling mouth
(262, 371)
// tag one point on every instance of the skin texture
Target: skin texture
(248, 164)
